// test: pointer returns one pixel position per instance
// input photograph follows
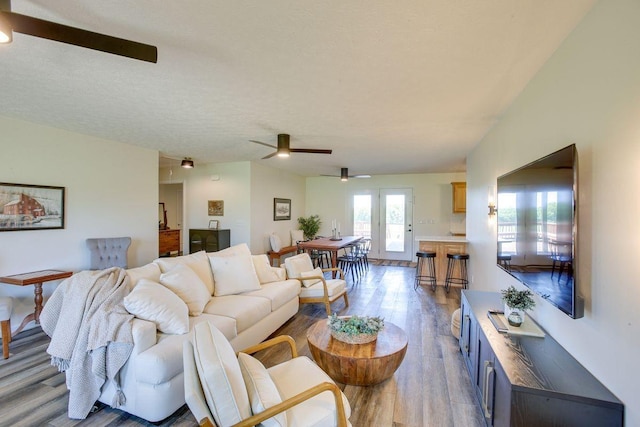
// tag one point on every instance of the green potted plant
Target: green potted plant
(309, 226)
(355, 329)
(516, 303)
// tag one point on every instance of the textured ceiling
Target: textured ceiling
(391, 87)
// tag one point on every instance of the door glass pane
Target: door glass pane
(394, 222)
(362, 215)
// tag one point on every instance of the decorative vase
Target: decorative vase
(515, 317)
(354, 339)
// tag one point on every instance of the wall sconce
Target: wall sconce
(187, 163)
(491, 192)
(492, 209)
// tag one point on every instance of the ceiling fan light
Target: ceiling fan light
(344, 174)
(283, 145)
(187, 163)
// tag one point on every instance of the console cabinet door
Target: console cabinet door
(468, 340)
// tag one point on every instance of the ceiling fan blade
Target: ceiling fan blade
(310, 150)
(270, 155)
(360, 176)
(83, 38)
(263, 143)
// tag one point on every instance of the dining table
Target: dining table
(330, 244)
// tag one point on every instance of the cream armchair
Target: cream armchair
(239, 391)
(315, 288)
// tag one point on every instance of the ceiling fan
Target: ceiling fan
(11, 21)
(283, 149)
(344, 175)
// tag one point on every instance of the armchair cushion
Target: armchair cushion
(234, 275)
(334, 287)
(275, 242)
(297, 264)
(262, 391)
(296, 236)
(220, 375)
(185, 283)
(153, 302)
(316, 272)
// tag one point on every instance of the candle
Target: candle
(338, 228)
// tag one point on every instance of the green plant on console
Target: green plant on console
(309, 226)
(519, 300)
(356, 325)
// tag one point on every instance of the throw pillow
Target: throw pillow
(296, 236)
(234, 275)
(276, 244)
(266, 273)
(220, 376)
(185, 283)
(153, 302)
(149, 271)
(316, 272)
(263, 392)
(198, 262)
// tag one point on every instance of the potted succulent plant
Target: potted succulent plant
(516, 303)
(355, 329)
(309, 226)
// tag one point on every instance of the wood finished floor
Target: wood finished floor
(431, 387)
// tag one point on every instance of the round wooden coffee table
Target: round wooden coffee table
(358, 364)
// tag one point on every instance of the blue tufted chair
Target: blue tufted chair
(108, 252)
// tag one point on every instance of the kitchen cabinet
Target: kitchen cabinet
(459, 190)
(208, 240)
(442, 248)
(525, 381)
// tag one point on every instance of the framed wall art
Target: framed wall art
(214, 224)
(281, 209)
(31, 207)
(216, 207)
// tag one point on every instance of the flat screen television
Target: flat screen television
(537, 225)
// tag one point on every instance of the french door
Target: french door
(386, 216)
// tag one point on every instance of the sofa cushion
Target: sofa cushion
(149, 271)
(278, 293)
(266, 273)
(246, 310)
(153, 302)
(233, 275)
(298, 375)
(220, 375)
(198, 262)
(316, 272)
(225, 324)
(334, 287)
(297, 264)
(185, 283)
(274, 241)
(262, 390)
(240, 249)
(296, 236)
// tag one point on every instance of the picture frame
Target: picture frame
(31, 207)
(213, 224)
(216, 208)
(281, 209)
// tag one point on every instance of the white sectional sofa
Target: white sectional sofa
(241, 294)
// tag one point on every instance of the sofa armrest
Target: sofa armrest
(144, 335)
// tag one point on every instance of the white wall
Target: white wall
(266, 184)
(328, 197)
(111, 191)
(588, 93)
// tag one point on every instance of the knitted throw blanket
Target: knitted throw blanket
(90, 334)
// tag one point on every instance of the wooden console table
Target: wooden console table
(35, 278)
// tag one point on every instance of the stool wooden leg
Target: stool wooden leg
(6, 337)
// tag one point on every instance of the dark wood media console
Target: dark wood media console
(529, 381)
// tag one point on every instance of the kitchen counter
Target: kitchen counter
(446, 239)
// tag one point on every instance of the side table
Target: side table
(35, 278)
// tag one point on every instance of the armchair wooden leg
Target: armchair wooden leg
(6, 337)
(327, 306)
(346, 300)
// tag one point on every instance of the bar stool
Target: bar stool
(427, 258)
(505, 261)
(456, 262)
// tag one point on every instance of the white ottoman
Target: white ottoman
(455, 323)
(6, 305)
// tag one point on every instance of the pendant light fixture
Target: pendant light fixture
(344, 174)
(187, 163)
